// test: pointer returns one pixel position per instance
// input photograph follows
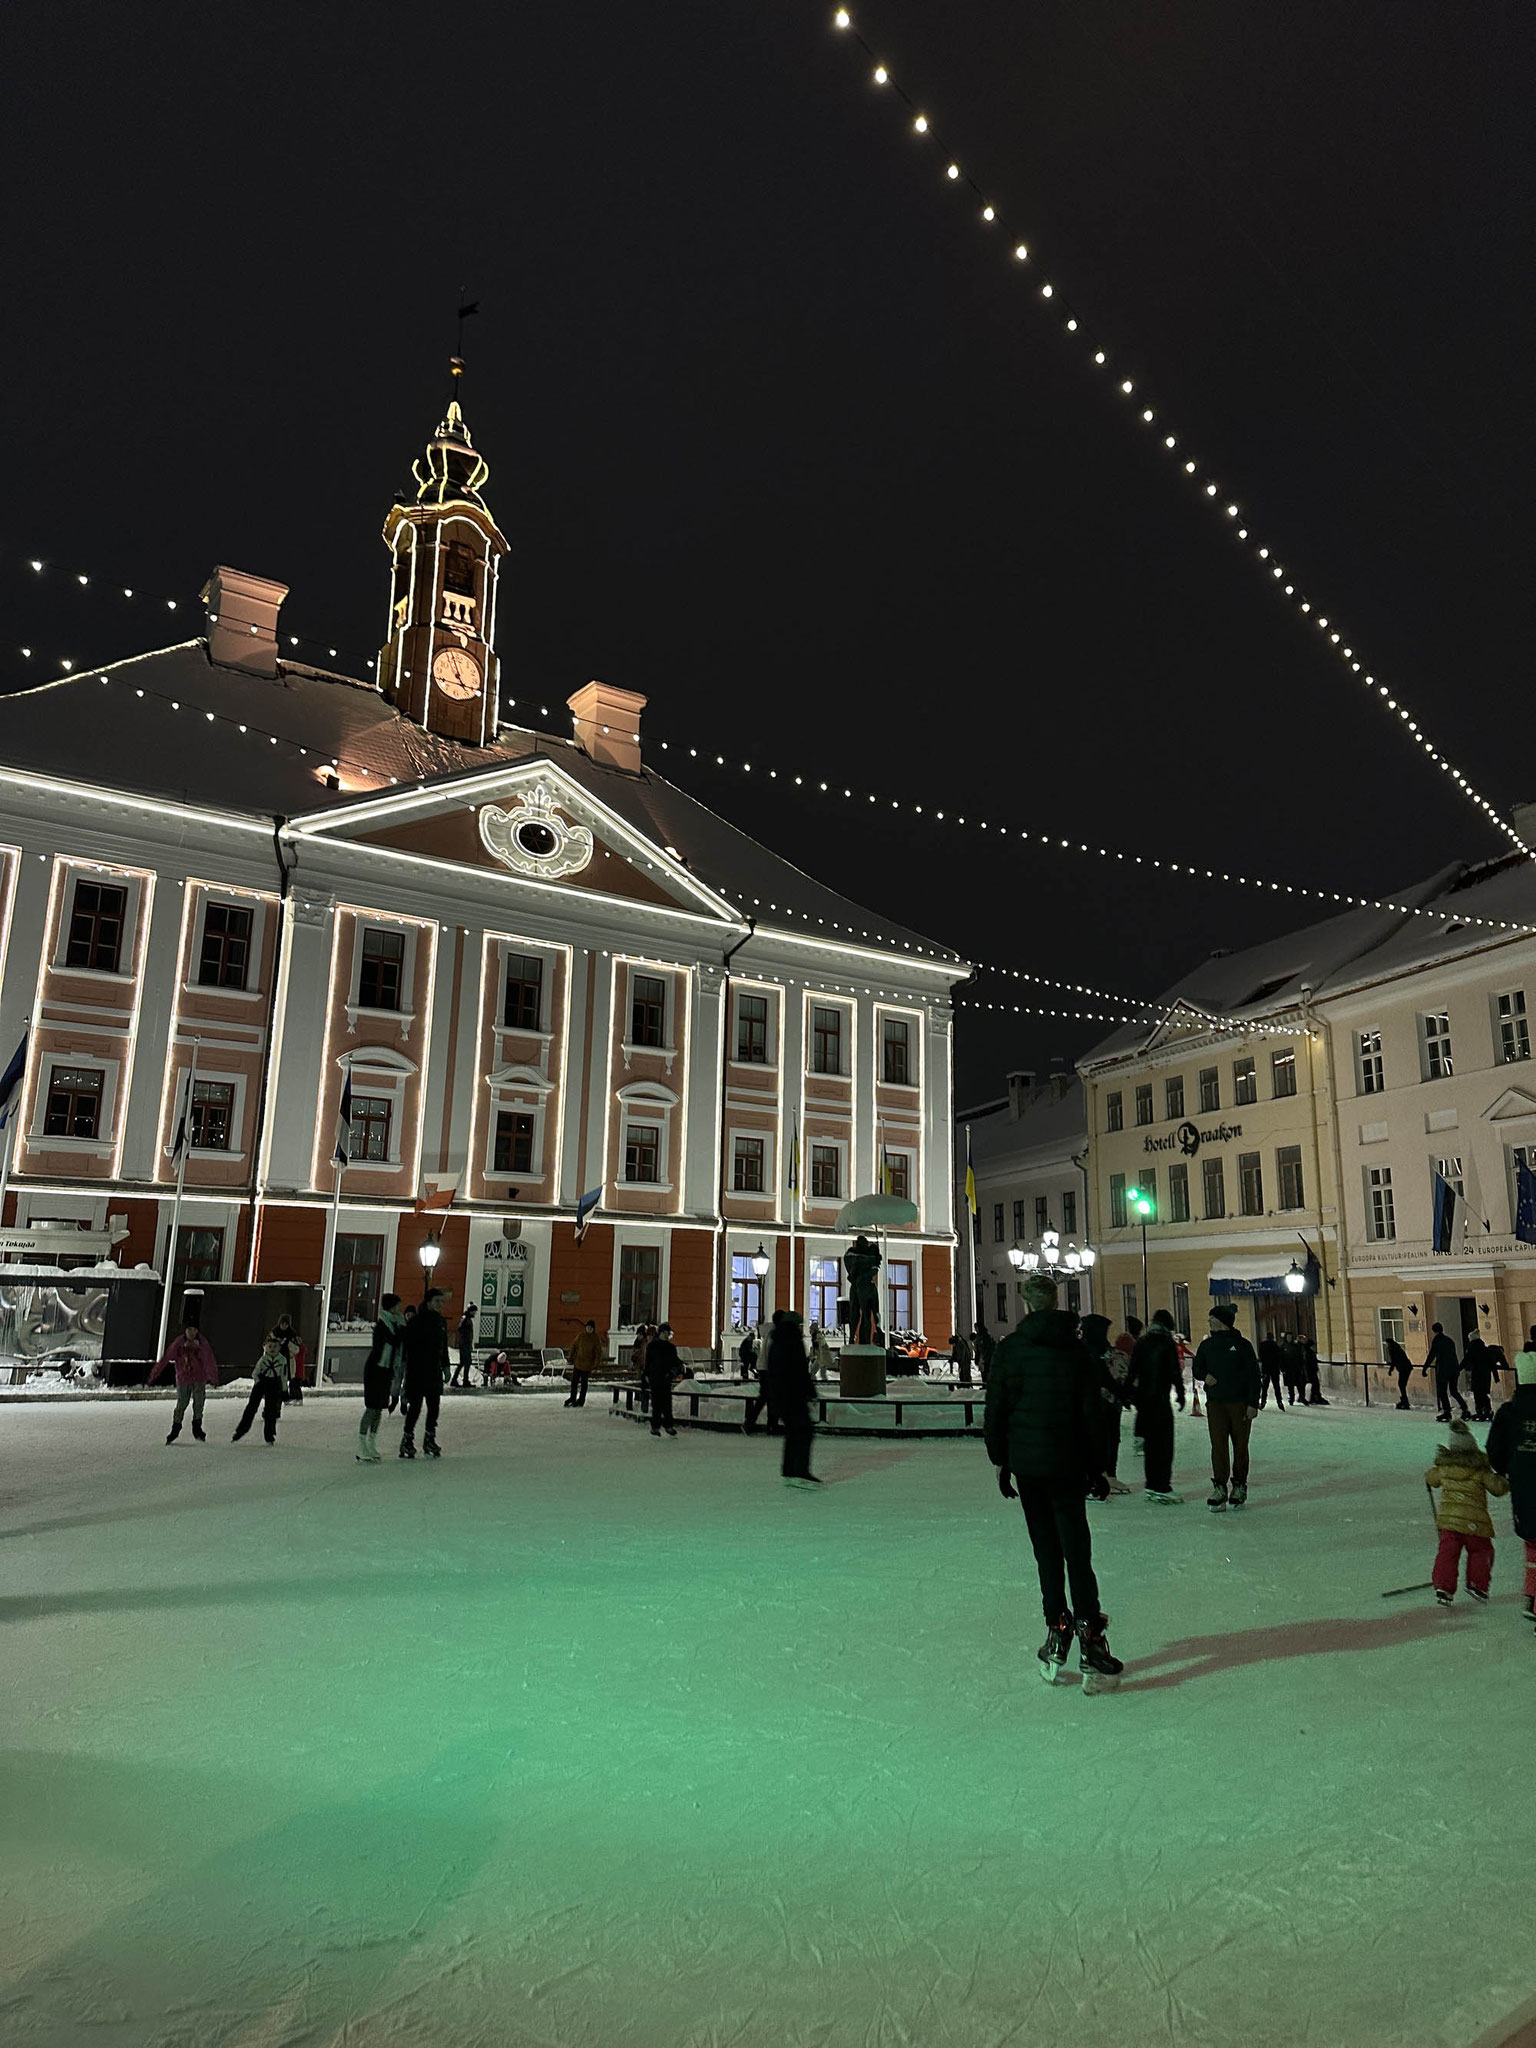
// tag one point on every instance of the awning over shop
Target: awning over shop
(1250, 1273)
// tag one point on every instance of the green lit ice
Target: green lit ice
(582, 1740)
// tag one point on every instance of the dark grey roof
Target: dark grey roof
(172, 724)
(1050, 1125)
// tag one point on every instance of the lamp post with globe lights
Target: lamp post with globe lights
(1139, 1203)
(1051, 1255)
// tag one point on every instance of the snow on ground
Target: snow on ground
(577, 1739)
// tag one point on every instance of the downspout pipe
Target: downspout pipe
(285, 874)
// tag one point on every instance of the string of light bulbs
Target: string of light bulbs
(1208, 487)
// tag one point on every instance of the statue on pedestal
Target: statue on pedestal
(861, 1266)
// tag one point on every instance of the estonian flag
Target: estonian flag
(970, 1174)
(794, 1154)
(10, 1081)
(1525, 1203)
(584, 1210)
(183, 1139)
(342, 1156)
(1450, 1211)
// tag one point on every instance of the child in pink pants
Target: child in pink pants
(1464, 1479)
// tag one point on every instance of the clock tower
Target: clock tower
(437, 665)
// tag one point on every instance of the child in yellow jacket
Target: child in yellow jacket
(1464, 1479)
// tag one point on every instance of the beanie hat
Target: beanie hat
(1459, 1438)
(1096, 1333)
(1163, 1318)
(1525, 1368)
(1224, 1312)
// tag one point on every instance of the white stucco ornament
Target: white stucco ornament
(533, 839)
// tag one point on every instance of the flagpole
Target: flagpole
(328, 1257)
(184, 1134)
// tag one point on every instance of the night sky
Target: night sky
(782, 439)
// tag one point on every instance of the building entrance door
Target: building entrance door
(1458, 1314)
(1285, 1315)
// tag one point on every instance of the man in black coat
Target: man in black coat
(1446, 1366)
(790, 1388)
(1399, 1362)
(1041, 1434)
(1512, 1451)
(1228, 1367)
(425, 1345)
(1482, 1369)
(663, 1369)
(1272, 1369)
(1155, 1375)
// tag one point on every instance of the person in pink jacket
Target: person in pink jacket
(196, 1369)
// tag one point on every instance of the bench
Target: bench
(900, 1405)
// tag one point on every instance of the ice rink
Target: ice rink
(576, 1737)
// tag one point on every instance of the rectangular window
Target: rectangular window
(748, 1161)
(1114, 1111)
(458, 568)
(1245, 1082)
(1213, 1188)
(827, 1178)
(1181, 1307)
(226, 955)
(1069, 1212)
(824, 1283)
(1282, 1071)
(1146, 1180)
(639, 1284)
(213, 1108)
(1250, 1180)
(371, 1116)
(898, 1175)
(1210, 1088)
(1117, 1201)
(1389, 1329)
(383, 963)
(1380, 1215)
(1178, 1194)
(826, 1039)
(522, 1004)
(356, 1278)
(898, 1279)
(96, 927)
(1042, 1213)
(1173, 1097)
(1074, 1294)
(1435, 1046)
(1514, 1030)
(642, 1153)
(1128, 1298)
(896, 1051)
(1144, 1102)
(1018, 1222)
(999, 1236)
(1368, 1065)
(1292, 1187)
(746, 1293)
(1002, 1303)
(752, 1030)
(512, 1148)
(647, 1010)
(74, 1103)
(199, 1257)
(1450, 1171)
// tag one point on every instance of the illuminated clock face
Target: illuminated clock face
(456, 673)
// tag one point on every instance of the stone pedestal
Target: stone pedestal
(861, 1372)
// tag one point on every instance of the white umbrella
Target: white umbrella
(876, 1212)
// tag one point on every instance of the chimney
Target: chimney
(242, 620)
(1021, 1086)
(607, 725)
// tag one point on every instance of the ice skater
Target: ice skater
(379, 1369)
(1400, 1363)
(823, 1363)
(287, 1338)
(791, 1388)
(1113, 1372)
(1481, 1366)
(585, 1357)
(663, 1370)
(1442, 1360)
(1041, 1434)
(1272, 1372)
(426, 1372)
(637, 1357)
(1229, 1369)
(1464, 1478)
(397, 1384)
(191, 1358)
(464, 1337)
(268, 1390)
(1156, 1374)
(1512, 1453)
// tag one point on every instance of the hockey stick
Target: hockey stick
(1425, 1584)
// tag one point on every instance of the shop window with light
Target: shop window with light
(1389, 1330)
(96, 920)
(746, 1293)
(74, 1103)
(748, 1160)
(1069, 1212)
(639, 1284)
(826, 1174)
(642, 1154)
(999, 1235)
(1435, 1046)
(647, 1010)
(372, 1117)
(1245, 1082)
(1250, 1184)
(213, 1110)
(1213, 1188)
(1282, 1071)
(512, 1146)
(1210, 1089)
(898, 1277)
(1368, 1064)
(896, 1051)
(826, 1039)
(1514, 1031)
(1292, 1186)
(1117, 1201)
(1042, 1213)
(357, 1278)
(752, 1030)
(1173, 1097)
(522, 1004)
(225, 957)
(823, 1281)
(381, 969)
(1144, 1102)
(1180, 1292)
(1114, 1111)
(1178, 1194)
(1380, 1210)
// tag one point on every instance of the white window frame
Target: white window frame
(667, 977)
(912, 1155)
(1435, 1046)
(1245, 1074)
(1179, 1298)
(847, 1045)
(646, 1102)
(1370, 1062)
(773, 995)
(1282, 1207)
(1283, 1055)
(735, 1136)
(1181, 1168)
(915, 1022)
(809, 1140)
(524, 1090)
(225, 1075)
(1518, 1023)
(1118, 1211)
(1378, 1184)
(131, 880)
(1389, 1327)
(525, 949)
(230, 899)
(373, 920)
(627, 1238)
(105, 1141)
(375, 1070)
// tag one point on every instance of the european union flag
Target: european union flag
(1525, 1203)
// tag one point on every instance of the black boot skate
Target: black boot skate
(407, 1448)
(1101, 1672)
(1053, 1651)
(429, 1448)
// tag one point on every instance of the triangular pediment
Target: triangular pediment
(1514, 1102)
(528, 821)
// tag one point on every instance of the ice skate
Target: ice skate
(407, 1448)
(1237, 1497)
(1117, 1485)
(429, 1448)
(1101, 1672)
(670, 1430)
(199, 1436)
(1216, 1499)
(173, 1435)
(1053, 1651)
(1477, 1593)
(1165, 1500)
(1443, 1599)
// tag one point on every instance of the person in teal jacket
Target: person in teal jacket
(1228, 1366)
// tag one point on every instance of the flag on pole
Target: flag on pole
(182, 1142)
(10, 1080)
(439, 1197)
(584, 1210)
(885, 1172)
(342, 1156)
(1525, 1203)
(794, 1154)
(1450, 1213)
(970, 1174)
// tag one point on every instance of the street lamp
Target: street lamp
(760, 1261)
(431, 1251)
(1016, 1258)
(1141, 1205)
(1296, 1280)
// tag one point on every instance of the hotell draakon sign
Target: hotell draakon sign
(1188, 1138)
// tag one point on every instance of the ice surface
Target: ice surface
(578, 1739)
